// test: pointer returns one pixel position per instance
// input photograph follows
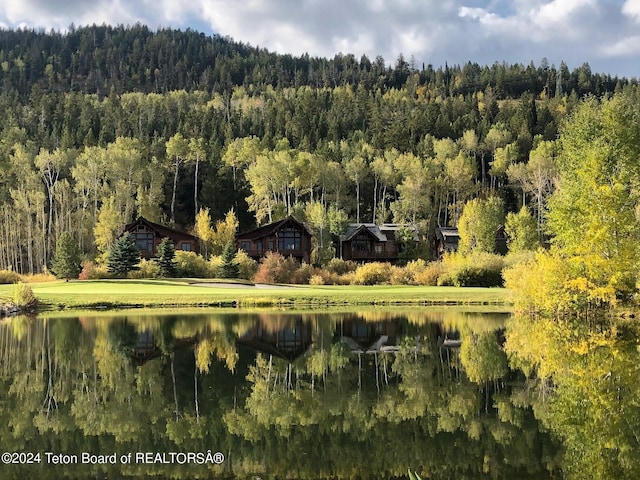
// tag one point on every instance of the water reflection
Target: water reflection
(296, 395)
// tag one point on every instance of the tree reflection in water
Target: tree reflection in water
(306, 395)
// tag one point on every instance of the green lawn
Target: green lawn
(182, 292)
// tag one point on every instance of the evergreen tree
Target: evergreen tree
(228, 268)
(124, 255)
(66, 262)
(166, 258)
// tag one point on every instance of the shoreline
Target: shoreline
(166, 293)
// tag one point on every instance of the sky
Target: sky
(604, 33)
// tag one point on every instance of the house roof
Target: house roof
(395, 227)
(447, 234)
(271, 228)
(159, 230)
(376, 231)
(370, 228)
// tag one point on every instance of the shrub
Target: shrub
(247, 266)
(190, 264)
(413, 269)
(341, 267)
(9, 276)
(304, 273)
(374, 273)
(479, 269)
(430, 275)
(39, 277)
(91, 271)
(23, 296)
(274, 268)
(399, 276)
(148, 269)
(316, 280)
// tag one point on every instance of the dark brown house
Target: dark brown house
(365, 242)
(148, 236)
(447, 239)
(288, 237)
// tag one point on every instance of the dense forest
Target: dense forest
(102, 124)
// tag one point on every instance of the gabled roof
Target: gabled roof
(376, 231)
(371, 228)
(159, 230)
(395, 227)
(271, 229)
(447, 234)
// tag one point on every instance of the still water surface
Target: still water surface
(448, 393)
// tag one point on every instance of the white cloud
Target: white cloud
(626, 47)
(433, 31)
(631, 8)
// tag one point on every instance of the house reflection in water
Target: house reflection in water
(369, 337)
(288, 342)
(148, 346)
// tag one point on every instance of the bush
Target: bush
(247, 266)
(303, 274)
(148, 269)
(274, 268)
(430, 275)
(190, 264)
(479, 269)
(374, 273)
(91, 271)
(399, 276)
(316, 280)
(341, 267)
(9, 276)
(39, 277)
(23, 296)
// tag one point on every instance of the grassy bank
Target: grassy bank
(191, 292)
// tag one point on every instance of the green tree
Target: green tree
(124, 255)
(108, 222)
(593, 212)
(228, 267)
(521, 231)
(224, 233)
(66, 260)
(166, 258)
(479, 223)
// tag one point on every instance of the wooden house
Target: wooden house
(288, 237)
(148, 236)
(447, 239)
(366, 242)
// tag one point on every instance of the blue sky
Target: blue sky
(604, 33)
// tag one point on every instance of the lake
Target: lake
(449, 393)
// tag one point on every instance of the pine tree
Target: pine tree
(66, 262)
(166, 258)
(228, 268)
(124, 255)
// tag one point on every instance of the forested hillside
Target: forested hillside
(103, 124)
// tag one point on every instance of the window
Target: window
(289, 239)
(362, 243)
(378, 248)
(259, 245)
(143, 238)
(186, 246)
(245, 245)
(270, 246)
